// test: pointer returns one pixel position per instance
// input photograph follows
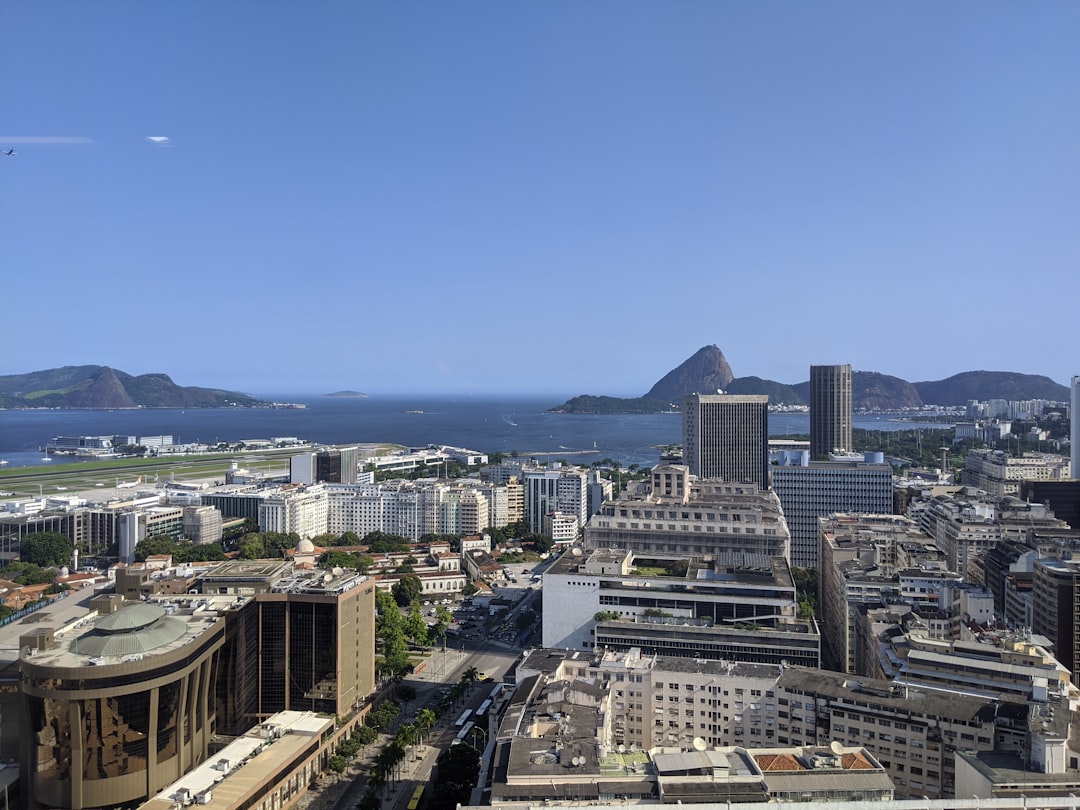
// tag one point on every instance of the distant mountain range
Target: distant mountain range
(707, 371)
(104, 387)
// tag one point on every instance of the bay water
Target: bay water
(483, 423)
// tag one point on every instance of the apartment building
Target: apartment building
(861, 559)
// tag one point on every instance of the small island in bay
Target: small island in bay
(347, 395)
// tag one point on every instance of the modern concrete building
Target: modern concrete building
(1063, 497)
(820, 488)
(735, 607)
(334, 465)
(138, 524)
(830, 410)
(681, 515)
(1056, 607)
(555, 489)
(726, 437)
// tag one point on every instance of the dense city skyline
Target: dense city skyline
(572, 198)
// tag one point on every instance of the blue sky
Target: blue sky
(538, 197)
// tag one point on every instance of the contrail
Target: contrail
(28, 139)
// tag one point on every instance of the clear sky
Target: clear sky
(518, 197)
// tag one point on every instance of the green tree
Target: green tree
(365, 735)
(407, 589)
(348, 539)
(339, 559)
(543, 543)
(25, 573)
(45, 549)
(415, 626)
(390, 637)
(157, 544)
(458, 770)
(251, 547)
(382, 543)
(199, 552)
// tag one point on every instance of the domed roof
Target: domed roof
(132, 616)
(135, 628)
(305, 547)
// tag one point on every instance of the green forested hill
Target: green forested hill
(103, 387)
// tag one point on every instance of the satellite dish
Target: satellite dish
(622, 748)
(576, 552)
(836, 747)
(337, 572)
(699, 744)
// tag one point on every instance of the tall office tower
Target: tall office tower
(1074, 435)
(726, 436)
(335, 465)
(1056, 607)
(555, 489)
(830, 410)
(822, 488)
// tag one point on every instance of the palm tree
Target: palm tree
(470, 675)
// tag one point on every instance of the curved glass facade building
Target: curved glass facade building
(122, 706)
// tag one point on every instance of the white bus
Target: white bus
(465, 715)
(465, 729)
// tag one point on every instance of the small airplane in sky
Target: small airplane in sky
(10, 153)
(129, 484)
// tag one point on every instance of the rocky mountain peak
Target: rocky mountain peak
(704, 372)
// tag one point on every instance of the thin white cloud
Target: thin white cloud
(31, 139)
(159, 140)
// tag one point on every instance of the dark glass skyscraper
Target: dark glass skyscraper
(830, 410)
(726, 437)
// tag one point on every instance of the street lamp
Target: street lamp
(475, 731)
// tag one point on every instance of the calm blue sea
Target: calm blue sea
(487, 424)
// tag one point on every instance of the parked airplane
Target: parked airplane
(129, 484)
